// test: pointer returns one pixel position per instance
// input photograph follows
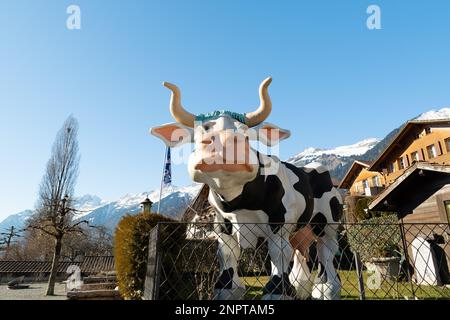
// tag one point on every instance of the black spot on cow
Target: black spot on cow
(226, 227)
(318, 224)
(321, 274)
(320, 182)
(303, 187)
(291, 265)
(336, 209)
(276, 285)
(225, 280)
(263, 193)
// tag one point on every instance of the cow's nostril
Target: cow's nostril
(208, 141)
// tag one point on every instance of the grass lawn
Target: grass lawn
(387, 290)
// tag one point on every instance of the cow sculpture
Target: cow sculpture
(258, 196)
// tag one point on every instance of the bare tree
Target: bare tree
(7, 239)
(54, 211)
(94, 242)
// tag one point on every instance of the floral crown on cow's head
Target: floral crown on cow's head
(218, 113)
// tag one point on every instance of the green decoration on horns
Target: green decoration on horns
(218, 113)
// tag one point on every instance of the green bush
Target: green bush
(131, 252)
(361, 209)
(375, 238)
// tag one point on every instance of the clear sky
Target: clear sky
(335, 82)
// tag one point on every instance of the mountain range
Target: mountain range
(174, 200)
(339, 159)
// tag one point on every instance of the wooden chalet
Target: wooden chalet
(418, 158)
(361, 182)
(418, 140)
(416, 167)
(414, 170)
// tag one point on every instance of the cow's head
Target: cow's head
(222, 157)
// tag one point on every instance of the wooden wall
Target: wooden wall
(431, 210)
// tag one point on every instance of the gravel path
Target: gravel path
(36, 291)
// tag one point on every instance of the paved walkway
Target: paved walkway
(36, 291)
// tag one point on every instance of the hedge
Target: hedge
(376, 237)
(131, 252)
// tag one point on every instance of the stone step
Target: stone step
(98, 286)
(99, 279)
(94, 295)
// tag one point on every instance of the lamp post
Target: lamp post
(147, 205)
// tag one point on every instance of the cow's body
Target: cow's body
(257, 195)
(276, 207)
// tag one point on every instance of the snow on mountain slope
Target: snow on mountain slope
(98, 212)
(336, 159)
(443, 113)
(16, 220)
(310, 154)
(87, 203)
(174, 202)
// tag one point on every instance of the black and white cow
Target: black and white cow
(256, 195)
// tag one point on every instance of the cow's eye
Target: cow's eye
(207, 127)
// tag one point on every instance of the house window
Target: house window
(447, 144)
(376, 181)
(431, 151)
(415, 156)
(391, 167)
(401, 163)
(365, 184)
(447, 209)
(356, 188)
(427, 130)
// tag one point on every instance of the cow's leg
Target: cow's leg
(281, 253)
(228, 286)
(327, 285)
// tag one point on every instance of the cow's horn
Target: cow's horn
(176, 109)
(256, 117)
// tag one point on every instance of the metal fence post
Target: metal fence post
(152, 279)
(362, 292)
(405, 250)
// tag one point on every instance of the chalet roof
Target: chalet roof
(409, 129)
(412, 187)
(199, 205)
(90, 264)
(352, 173)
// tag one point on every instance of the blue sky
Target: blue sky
(334, 81)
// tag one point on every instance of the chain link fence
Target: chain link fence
(374, 260)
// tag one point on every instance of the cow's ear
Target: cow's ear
(270, 134)
(173, 134)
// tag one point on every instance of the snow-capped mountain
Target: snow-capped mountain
(339, 159)
(336, 159)
(88, 203)
(16, 220)
(443, 113)
(314, 154)
(174, 201)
